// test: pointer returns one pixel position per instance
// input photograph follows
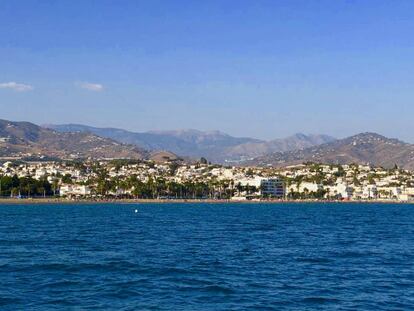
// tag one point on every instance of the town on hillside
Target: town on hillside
(141, 179)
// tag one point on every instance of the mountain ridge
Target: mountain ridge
(26, 139)
(367, 147)
(214, 145)
(23, 139)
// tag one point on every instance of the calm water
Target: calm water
(207, 257)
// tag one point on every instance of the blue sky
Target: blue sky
(266, 69)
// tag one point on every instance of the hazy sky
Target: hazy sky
(249, 68)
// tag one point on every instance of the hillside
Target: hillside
(215, 146)
(292, 143)
(363, 148)
(24, 139)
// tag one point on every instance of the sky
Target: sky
(264, 69)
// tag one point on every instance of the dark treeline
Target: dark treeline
(25, 186)
(128, 187)
(159, 188)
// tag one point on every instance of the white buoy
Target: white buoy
(136, 211)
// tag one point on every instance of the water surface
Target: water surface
(207, 257)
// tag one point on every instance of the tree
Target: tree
(55, 185)
(103, 183)
(203, 160)
(371, 179)
(341, 172)
(173, 166)
(67, 179)
(249, 172)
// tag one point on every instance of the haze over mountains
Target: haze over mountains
(216, 146)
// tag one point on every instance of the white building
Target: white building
(74, 190)
(254, 181)
(341, 190)
(369, 192)
(406, 197)
(305, 187)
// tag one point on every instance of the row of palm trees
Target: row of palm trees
(159, 187)
(24, 186)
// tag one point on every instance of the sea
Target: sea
(207, 256)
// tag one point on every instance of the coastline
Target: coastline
(25, 201)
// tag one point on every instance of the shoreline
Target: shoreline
(23, 201)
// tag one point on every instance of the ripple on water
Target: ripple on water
(207, 257)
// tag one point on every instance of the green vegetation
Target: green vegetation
(306, 194)
(24, 186)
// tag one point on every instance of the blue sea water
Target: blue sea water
(310, 256)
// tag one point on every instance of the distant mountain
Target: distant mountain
(295, 142)
(24, 139)
(363, 148)
(215, 146)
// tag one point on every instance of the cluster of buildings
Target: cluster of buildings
(350, 182)
(306, 181)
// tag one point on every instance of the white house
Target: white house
(309, 186)
(340, 189)
(369, 192)
(74, 190)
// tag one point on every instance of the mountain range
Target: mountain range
(216, 146)
(24, 139)
(369, 148)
